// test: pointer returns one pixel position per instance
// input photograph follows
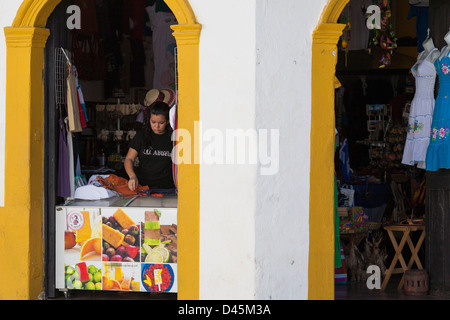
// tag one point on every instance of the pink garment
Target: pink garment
(81, 112)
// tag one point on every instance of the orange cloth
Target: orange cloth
(120, 185)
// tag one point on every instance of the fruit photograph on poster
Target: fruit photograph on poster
(82, 237)
(158, 238)
(121, 276)
(121, 235)
(122, 249)
(158, 277)
(82, 276)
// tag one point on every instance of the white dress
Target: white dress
(421, 112)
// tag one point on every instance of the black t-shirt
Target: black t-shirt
(155, 160)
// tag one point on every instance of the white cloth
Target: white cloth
(421, 112)
(91, 192)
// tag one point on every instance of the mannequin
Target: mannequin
(428, 45)
(438, 153)
(422, 106)
(447, 37)
(446, 49)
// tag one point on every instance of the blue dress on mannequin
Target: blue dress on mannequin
(438, 153)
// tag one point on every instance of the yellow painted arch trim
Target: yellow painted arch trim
(332, 11)
(183, 11)
(321, 213)
(34, 13)
(25, 41)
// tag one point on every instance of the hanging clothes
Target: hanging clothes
(136, 19)
(89, 23)
(420, 10)
(421, 112)
(81, 97)
(71, 159)
(81, 112)
(63, 181)
(438, 153)
(164, 50)
(72, 102)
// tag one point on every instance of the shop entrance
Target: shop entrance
(28, 31)
(119, 54)
(374, 89)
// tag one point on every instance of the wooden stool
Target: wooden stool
(416, 282)
(406, 229)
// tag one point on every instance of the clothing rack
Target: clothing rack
(62, 58)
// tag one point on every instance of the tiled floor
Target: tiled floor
(359, 291)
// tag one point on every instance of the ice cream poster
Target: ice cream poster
(126, 249)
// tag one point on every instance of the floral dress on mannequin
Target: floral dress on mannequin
(438, 154)
(421, 112)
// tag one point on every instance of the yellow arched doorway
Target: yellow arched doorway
(321, 213)
(21, 218)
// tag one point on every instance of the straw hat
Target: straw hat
(152, 96)
(169, 96)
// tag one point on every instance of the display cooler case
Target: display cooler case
(117, 244)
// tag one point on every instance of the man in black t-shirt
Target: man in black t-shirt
(153, 145)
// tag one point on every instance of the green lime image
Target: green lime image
(92, 269)
(155, 257)
(76, 276)
(70, 270)
(90, 286)
(77, 284)
(164, 252)
(97, 277)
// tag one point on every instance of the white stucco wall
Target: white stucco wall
(283, 100)
(227, 192)
(255, 74)
(8, 11)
